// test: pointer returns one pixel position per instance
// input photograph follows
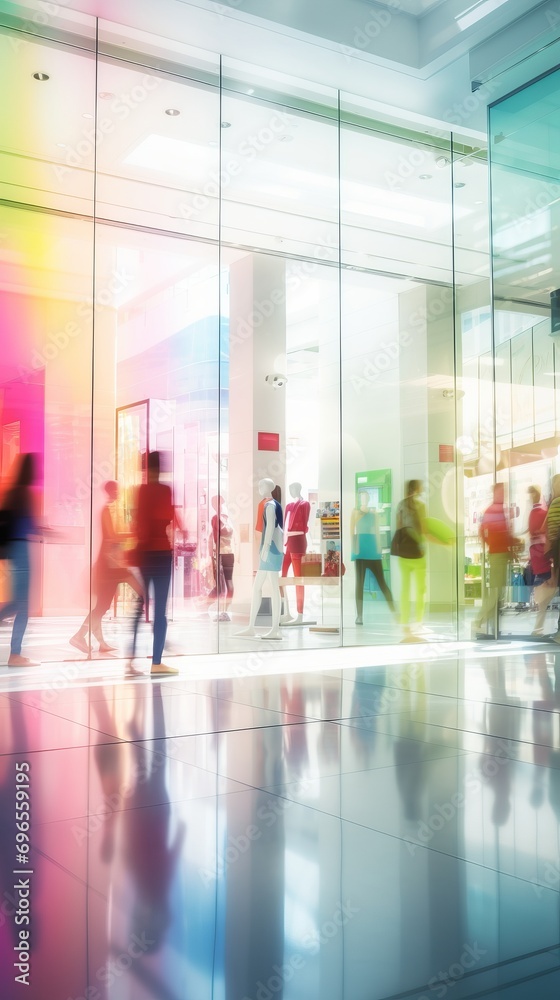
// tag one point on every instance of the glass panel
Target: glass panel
(158, 157)
(280, 343)
(158, 333)
(279, 167)
(398, 379)
(525, 189)
(46, 309)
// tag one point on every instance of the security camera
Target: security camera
(276, 381)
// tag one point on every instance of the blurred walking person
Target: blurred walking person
(495, 533)
(154, 516)
(543, 582)
(19, 506)
(109, 572)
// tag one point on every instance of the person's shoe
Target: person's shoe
(410, 636)
(132, 671)
(556, 638)
(162, 670)
(224, 617)
(104, 647)
(78, 642)
(359, 620)
(537, 631)
(17, 660)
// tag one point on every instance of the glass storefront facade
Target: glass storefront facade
(524, 143)
(259, 278)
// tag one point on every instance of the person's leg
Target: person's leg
(360, 579)
(142, 600)
(419, 570)
(376, 567)
(228, 560)
(20, 588)
(300, 591)
(405, 566)
(285, 612)
(161, 576)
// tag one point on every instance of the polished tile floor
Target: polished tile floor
(332, 825)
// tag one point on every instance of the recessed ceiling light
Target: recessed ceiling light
(425, 177)
(41, 77)
(225, 124)
(106, 95)
(251, 90)
(172, 112)
(459, 184)
(286, 138)
(62, 145)
(213, 142)
(479, 203)
(86, 114)
(442, 161)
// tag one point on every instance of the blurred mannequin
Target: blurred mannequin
(366, 552)
(221, 549)
(270, 564)
(296, 527)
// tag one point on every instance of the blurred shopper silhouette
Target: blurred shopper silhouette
(411, 550)
(543, 582)
(154, 516)
(495, 532)
(109, 572)
(20, 525)
(221, 543)
(553, 537)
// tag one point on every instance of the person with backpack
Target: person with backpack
(20, 525)
(409, 545)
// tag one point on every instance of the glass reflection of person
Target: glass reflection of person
(109, 572)
(154, 515)
(221, 549)
(144, 850)
(411, 514)
(366, 552)
(21, 502)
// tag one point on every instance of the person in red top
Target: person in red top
(544, 586)
(496, 534)
(154, 514)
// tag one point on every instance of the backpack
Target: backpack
(6, 531)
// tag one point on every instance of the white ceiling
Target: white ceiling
(412, 56)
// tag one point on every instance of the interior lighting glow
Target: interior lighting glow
(168, 155)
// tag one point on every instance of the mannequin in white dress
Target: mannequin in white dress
(270, 565)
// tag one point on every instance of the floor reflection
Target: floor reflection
(354, 834)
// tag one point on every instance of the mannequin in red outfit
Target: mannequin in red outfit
(296, 521)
